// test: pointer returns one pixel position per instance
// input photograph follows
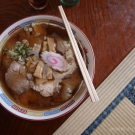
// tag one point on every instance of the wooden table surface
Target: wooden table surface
(108, 24)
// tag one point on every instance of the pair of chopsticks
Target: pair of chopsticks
(84, 71)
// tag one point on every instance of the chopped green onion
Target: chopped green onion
(19, 51)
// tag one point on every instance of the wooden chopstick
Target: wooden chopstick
(85, 73)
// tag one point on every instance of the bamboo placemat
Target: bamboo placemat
(114, 113)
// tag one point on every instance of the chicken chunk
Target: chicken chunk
(16, 81)
(46, 89)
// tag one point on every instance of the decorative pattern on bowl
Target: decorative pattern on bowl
(75, 100)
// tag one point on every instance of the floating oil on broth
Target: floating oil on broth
(32, 80)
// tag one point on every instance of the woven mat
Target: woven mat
(114, 113)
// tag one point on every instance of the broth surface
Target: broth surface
(31, 98)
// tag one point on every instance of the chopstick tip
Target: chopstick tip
(60, 6)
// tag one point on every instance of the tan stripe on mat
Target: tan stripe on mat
(121, 121)
(111, 87)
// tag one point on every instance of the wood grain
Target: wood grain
(108, 24)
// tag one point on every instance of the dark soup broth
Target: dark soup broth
(38, 67)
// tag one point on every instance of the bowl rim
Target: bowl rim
(93, 72)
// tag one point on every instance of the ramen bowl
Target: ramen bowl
(62, 109)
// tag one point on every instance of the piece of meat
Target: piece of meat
(63, 46)
(40, 80)
(69, 56)
(35, 50)
(67, 45)
(51, 44)
(69, 85)
(47, 72)
(46, 89)
(16, 81)
(39, 69)
(44, 46)
(60, 46)
(31, 64)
